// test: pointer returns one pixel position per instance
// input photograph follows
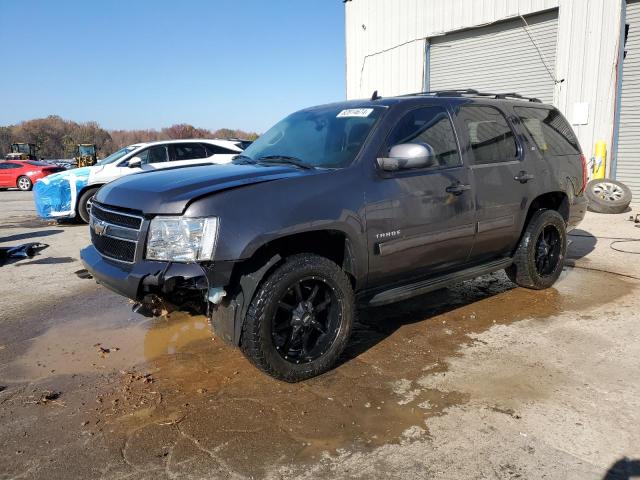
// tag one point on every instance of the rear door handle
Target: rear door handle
(457, 188)
(523, 177)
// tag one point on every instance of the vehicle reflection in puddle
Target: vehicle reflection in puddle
(201, 390)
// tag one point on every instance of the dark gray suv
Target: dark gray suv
(352, 203)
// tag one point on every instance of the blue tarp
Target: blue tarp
(56, 195)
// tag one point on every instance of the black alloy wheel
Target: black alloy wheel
(548, 249)
(300, 318)
(306, 321)
(539, 258)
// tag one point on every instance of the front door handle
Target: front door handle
(457, 188)
(523, 177)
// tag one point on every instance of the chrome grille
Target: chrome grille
(115, 234)
(114, 217)
(114, 248)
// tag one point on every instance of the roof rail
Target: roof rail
(475, 93)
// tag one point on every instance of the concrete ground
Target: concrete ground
(482, 380)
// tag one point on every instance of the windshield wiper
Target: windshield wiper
(285, 159)
(243, 160)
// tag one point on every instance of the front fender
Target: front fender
(255, 215)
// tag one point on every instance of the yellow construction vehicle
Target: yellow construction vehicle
(85, 155)
(22, 151)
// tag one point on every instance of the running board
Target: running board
(425, 286)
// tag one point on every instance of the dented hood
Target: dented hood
(169, 191)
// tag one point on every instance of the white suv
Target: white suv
(68, 194)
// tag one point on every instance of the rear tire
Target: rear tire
(84, 204)
(540, 256)
(24, 183)
(292, 333)
(607, 196)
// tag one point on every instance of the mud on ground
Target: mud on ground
(481, 380)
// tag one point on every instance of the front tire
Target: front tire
(300, 319)
(24, 183)
(540, 256)
(84, 204)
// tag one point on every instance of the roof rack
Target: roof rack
(475, 93)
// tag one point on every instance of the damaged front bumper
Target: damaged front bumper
(184, 285)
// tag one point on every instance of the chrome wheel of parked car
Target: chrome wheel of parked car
(84, 204)
(24, 183)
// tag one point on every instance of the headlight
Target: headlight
(182, 239)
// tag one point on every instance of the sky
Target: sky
(153, 63)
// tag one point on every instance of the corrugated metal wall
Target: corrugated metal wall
(385, 44)
(588, 49)
(628, 170)
(385, 48)
(499, 57)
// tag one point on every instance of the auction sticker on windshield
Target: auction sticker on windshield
(355, 112)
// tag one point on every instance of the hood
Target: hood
(79, 173)
(170, 190)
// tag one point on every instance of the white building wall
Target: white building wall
(587, 59)
(385, 49)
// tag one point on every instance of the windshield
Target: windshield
(21, 148)
(325, 137)
(115, 156)
(86, 149)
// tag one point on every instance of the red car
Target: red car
(24, 173)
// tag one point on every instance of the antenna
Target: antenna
(375, 96)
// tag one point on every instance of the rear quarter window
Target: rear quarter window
(218, 150)
(551, 133)
(490, 135)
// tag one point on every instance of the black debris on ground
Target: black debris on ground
(47, 396)
(84, 274)
(26, 250)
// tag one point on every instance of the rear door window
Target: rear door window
(188, 151)
(550, 131)
(429, 126)
(491, 138)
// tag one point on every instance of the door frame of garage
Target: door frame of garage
(426, 81)
(613, 164)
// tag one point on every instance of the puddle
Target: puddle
(98, 343)
(170, 382)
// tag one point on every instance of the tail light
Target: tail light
(585, 173)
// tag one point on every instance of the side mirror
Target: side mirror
(134, 162)
(405, 156)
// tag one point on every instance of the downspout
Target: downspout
(346, 46)
(618, 102)
(426, 80)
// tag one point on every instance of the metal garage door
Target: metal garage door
(628, 159)
(505, 57)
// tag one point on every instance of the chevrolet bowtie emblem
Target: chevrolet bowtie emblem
(100, 227)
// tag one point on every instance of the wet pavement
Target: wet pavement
(169, 394)
(89, 389)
